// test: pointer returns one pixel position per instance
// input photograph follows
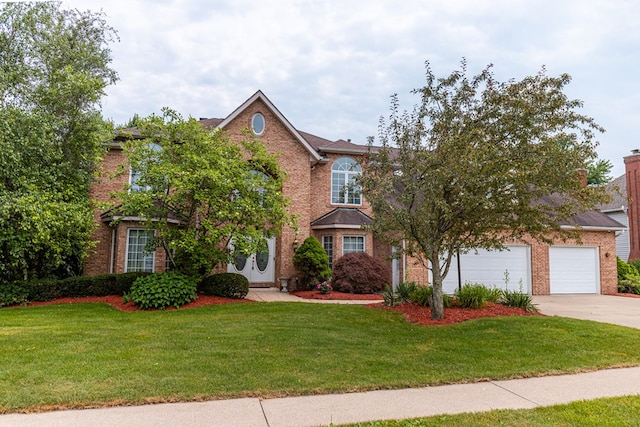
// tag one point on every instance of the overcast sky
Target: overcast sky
(331, 66)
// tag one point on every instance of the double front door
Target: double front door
(258, 268)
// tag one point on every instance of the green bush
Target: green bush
(477, 295)
(625, 269)
(390, 298)
(13, 294)
(312, 263)
(635, 263)
(44, 290)
(629, 285)
(421, 295)
(162, 290)
(519, 300)
(227, 285)
(405, 289)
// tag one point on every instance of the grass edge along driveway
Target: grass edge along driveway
(82, 355)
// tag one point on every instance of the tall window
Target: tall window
(138, 258)
(135, 175)
(327, 244)
(352, 244)
(344, 190)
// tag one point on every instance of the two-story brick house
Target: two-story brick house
(327, 207)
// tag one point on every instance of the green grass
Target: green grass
(91, 354)
(609, 412)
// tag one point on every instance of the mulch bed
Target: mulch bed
(116, 302)
(334, 295)
(422, 315)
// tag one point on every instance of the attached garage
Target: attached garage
(574, 270)
(488, 268)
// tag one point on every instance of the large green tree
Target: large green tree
(207, 197)
(54, 68)
(478, 162)
(599, 172)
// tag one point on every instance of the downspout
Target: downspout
(113, 250)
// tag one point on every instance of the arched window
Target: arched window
(135, 175)
(344, 190)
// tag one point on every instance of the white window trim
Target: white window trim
(364, 241)
(264, 123)
(126, 251)
(347, 175)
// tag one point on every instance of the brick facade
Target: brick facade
(308, 188)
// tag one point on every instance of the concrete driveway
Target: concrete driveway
(623, 311)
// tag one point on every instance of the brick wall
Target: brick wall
(632, 170)
(540, 274)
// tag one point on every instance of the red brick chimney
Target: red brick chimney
(632, 169)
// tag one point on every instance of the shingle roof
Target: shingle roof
(589, 219)
(342, 218)
(618, 190)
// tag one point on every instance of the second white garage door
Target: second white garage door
(488, 268)
(574, 270)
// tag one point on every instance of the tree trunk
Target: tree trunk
(437, 303)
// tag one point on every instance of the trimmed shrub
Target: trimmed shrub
(15, 293)
(312, 263)
(227, 285)
(635, 263)
(162, 290)
(360, 273)
(625, 269)
(44, 290)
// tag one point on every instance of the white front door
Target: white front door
(258, 268)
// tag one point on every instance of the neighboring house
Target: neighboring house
(320, 176)
(617, 210)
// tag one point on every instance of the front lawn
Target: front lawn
(92, 354)
(609, 412)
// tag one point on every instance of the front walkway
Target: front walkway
(274, 295)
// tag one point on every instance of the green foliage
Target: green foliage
(628, 276)
(477, 295)
(599, 172)
(227, 285)
(53, 72)
(360, 273)
(13, 294)
(312, 263)
(519, 300)
(405, 289)
(233, 188)
(467, 166)
(390, 298)
(421, 295)
(162, 290)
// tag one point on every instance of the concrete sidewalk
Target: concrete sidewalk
(274, 295)
(338, 409)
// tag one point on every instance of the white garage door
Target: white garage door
(488, 268)
(574, 270)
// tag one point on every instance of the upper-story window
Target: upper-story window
(257, 123)
(344, 190)
(135, 175)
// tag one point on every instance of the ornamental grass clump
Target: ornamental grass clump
(476, 295)
(162, 290)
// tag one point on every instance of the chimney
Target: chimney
(582, 173)
(632, 172)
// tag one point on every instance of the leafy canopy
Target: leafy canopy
(206, 196)
(54, 68)
(470, 165)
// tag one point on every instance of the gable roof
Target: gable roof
(261, 96)
(618, 191)
(590, 220)
(342, 218)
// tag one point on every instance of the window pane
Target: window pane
(327, 244)
(343, 182)
(352, 244)
(138, 259)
